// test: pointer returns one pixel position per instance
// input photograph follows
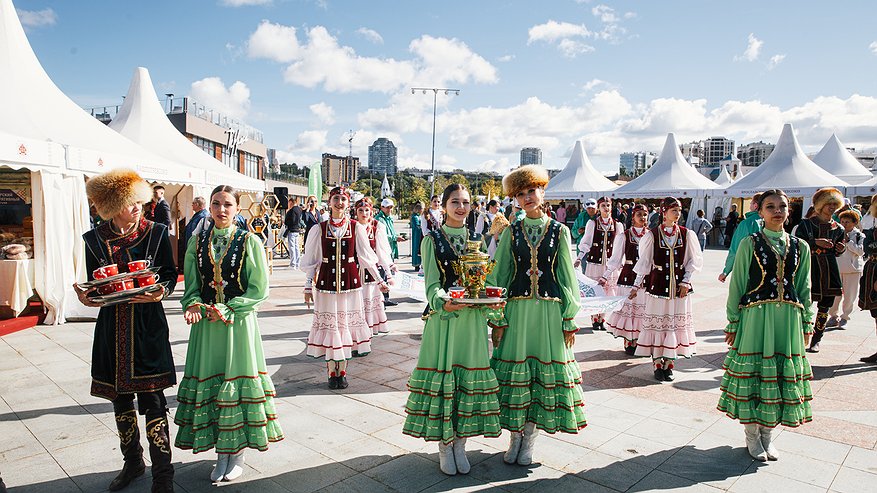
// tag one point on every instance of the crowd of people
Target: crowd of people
(483, 368)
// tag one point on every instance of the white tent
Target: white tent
(787, 168)
(386, 191)
(838, 161)
(142, 119)
(671, 175)
(716, 199)
(865, 189)
(578, 178)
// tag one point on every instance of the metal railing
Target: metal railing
(287, 177)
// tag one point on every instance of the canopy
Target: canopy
(867, 188)
(32, 107)
(724, 179)
(578, 177)
(837, 160)
(787, 168)
(671, 175)
(142, 119)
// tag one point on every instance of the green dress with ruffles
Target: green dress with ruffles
(539, 378)
(767, 374)
(453, 390)
(226, 398)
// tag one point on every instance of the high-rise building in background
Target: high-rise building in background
(692, 152)
(754, 154)
(633, 164)
(339, 170)
(531, 155)
(714, 149)
(382, 157)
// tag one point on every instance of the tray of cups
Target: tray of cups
(126, 295)
(109, 275)
(492, 296)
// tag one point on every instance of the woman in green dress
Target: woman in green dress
(453, 390)
(540, 381)
(226, 398)
(770, 321)
(416, 235)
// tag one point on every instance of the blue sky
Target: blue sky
(618, 75)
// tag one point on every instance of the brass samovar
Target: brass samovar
(473, 268)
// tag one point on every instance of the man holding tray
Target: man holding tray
(131, 354)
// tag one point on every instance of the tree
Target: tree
(490, 188)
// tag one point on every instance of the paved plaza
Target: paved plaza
(642, 435)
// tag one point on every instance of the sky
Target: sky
(617, 75)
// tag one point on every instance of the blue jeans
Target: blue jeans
(294, 251)
(702, 243)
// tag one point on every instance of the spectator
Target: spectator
(731, 224)
(200, 219)
(161, 210)
(701, 228)
(560, 214)
(294, 226)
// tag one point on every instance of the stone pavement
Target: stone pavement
(642, 435)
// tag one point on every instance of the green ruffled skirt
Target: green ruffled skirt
(453, 390)
(226, 398)
(767, 375)
(540, 381)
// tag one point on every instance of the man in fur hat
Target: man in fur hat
(132, 354)
(826, 240)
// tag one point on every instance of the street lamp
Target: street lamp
(435, 91)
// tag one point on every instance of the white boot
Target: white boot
(766, 442)
(235, 466)
(220, 468)
(753, 443)
(446, 459)
(511, 455)
(525, 457)
(460, 458)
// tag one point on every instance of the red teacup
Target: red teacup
(137, 265)
(122, 285)
(456, 293)
(494, 292)
(106, 271)
(143, 281)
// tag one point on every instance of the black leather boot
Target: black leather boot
(160, 453)
(129, 444)
(818, 332)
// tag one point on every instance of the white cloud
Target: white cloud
(753, 49)
(37, 18)
(275, 42)
(310, 141)
(233, 101)
(322, 61)
(605, 13)
(505, 58)
(571, 48)
(325, 114)
(552, 31)
(873, 47)
(594, 83)
(775, 60)
(244, 3)
(370, 35)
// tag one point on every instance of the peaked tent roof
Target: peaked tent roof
(866, 188)
(578, 177)
(142, 119)
(724, 178)
(837, 160)
(787, 168)
(670, 175)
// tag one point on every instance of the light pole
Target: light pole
(435, 91)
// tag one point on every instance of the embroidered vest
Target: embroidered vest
(667, 271)
(220, 283)
(601, 246)
(534, 266)
(631, 255)
(445, 256)
(769, 279)
(339, 271)
(373, 242)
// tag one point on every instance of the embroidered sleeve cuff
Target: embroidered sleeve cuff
(225, 313)
(498, 324)
(731, 328)
(568, 326)
(808, 327)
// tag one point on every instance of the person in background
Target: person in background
(731, 224)
(751, 224)
(385, 218)
(200, 219)
(560, 214)
(416, 234)
(826, 241)
(588, 213)
(869, 221)
(485, 220)
(701, 228)
(654, 218)
(432, 217)
(324, 213)
(293, 222)
(161, 210)
(472, 218)
(868, 282)
(549, 211)
(310, 216)
(850, 265)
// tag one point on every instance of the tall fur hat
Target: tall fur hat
(825, 196)
(114, 190)
(523, 178)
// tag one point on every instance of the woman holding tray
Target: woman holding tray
(131, 353)
(226, 398)
(453, 390)
(540, 381)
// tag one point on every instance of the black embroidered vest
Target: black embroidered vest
(603, 241)
(769, 279)
(631, 255)
(534, 267)
(667, 271)
(227, 280)
(445, 256)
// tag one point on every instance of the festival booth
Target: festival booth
(52, 144)
(672, 176)
(578, 178)
(837, 160)
(716, 204)
(788, 169)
